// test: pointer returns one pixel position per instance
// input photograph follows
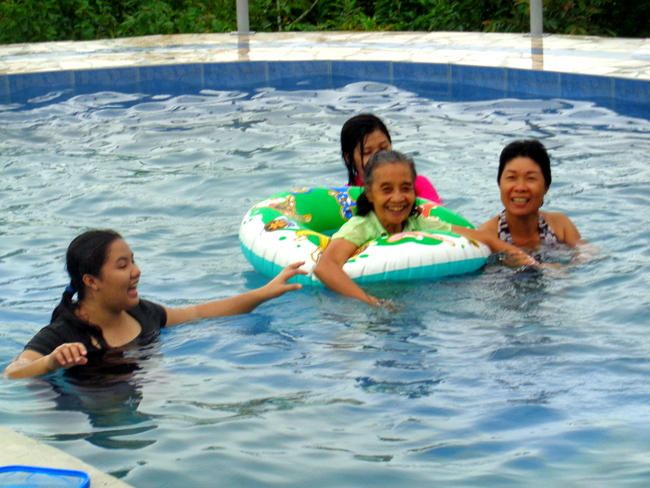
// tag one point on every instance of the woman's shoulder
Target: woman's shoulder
(359, 229)
(425, 189)
(490, 226)
(562, 226)
(149, 314)
(423, 180)
(57, 332)
(557, 221)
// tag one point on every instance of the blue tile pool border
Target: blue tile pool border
(437, 81)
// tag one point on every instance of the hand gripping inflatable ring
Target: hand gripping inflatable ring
(296, 225)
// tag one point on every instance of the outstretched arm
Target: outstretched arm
(31, 363)
(244, 303)
(330, 271)
(515, 256)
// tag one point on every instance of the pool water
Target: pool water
(499, 378)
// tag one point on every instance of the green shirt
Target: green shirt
(359, 230)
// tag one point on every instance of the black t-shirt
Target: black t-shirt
(151, 316)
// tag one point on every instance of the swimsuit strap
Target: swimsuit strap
(504, 230)
(546, 234)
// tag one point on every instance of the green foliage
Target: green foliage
(53, 20)
(431, 15)
(577, 17)
(626, 18)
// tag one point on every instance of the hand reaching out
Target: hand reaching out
(67, 355)
(279, 286)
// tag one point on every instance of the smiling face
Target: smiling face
(392, 195)
(374, 142)
(116, 285)
(522, 186)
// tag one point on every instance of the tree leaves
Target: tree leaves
(53, 20)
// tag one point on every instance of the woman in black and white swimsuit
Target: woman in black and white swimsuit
(524, 177)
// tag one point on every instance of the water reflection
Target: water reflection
(537, 52)
(109, 395)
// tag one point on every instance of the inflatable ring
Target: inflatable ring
(296, 225)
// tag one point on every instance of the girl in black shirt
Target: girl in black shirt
(108, 313)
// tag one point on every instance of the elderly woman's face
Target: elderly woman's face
(522, 186)
(392, 195)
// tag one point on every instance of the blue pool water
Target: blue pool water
(498, 378)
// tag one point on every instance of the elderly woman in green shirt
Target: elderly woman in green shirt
(387, 206)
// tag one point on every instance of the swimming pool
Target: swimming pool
(499, 378)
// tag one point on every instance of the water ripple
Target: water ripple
(497, 378)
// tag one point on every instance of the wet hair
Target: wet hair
(86, 254)
(353, 133)
(377, 160)
(529, 148)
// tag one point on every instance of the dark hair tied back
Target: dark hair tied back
(381, 158)
(86, 254)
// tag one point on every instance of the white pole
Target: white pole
(243, 26)
(536, 18)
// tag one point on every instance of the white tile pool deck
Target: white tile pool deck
(614, 57)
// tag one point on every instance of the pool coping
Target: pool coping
(18, 449)
(500, 65)
(587, 55)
